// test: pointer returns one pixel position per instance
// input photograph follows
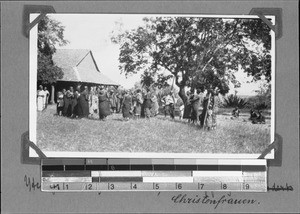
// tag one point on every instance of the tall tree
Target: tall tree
(50, 33)
(198, 52)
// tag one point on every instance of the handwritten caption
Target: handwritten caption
(277, 188)
(212, 200)
(31, 184)
(225, 198)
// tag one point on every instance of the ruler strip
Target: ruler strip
(121, 174)
(167, 179)
(148, 186)
(66, 173)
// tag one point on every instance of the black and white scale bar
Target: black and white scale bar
(154, 167)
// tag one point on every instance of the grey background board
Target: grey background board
(15, 195)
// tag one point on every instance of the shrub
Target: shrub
(233, 101)
(259, 103)
(260, 106)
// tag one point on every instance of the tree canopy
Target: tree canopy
(197, 52)
(50, 33)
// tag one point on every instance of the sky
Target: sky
(92, 31)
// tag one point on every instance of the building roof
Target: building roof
(70, 61)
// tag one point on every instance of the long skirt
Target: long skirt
(82, 107)
(170, 109)
(104, 109)
(85, 108)
(40, 103)
(187, 111)
(126, 110)
(195, 113)
(74, 106)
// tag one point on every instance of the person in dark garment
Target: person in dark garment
(119, 102)
(187, 107)
(126, 105)
(68, 102)
(104, 109)
(113, 101)
(147, 104)
(253, 115)
(259, 119)
(138, 103)
(83, 103)
(75, 103)
(195, 104)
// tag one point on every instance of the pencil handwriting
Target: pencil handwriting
(276, 187)
(31, 184)
(212, 200)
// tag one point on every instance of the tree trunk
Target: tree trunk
(52, 94)
(182, 94)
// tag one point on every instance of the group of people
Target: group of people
(73, 103)
(135, 104)
(42, 98)
(101, 101)
(202, 110)
(256, 117)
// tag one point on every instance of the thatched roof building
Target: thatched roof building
(79, 66)
(80, 69)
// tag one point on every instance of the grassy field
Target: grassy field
(158, 134)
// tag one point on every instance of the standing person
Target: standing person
(210, 109)
(47, 93)
(113, 101)
(86, 103)
(73, 101)
(119, 102)
(77, 109)
(93, 102)
(60, 102)
(187, 106)
(138, 103)
(67, 102)
(195, 104)
(103, 101)
(155, 106)
(83, 103)
(40, 98)
(169, 101)
(126, 105)
(147, 104)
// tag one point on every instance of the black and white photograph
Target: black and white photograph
(146, 85)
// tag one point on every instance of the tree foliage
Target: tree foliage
(50, 33)
(197, 52)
